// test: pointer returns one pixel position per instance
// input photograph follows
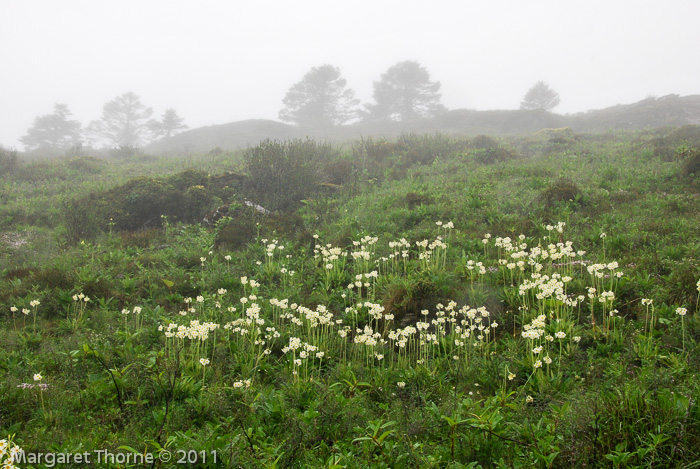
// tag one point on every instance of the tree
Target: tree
(124, 121)
(540, 96)
(53, 132)
(320, 99)
(405, 92)
(169, 124)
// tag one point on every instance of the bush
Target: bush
(239, 228)
(339, 172)
(691, 165)
(140, 203)
(677, 143)
(562, 190)
(483, 142)
(284, 173)
(414, 200)
(493, 155)
(8, 160)
(86, 164)
(124, 151)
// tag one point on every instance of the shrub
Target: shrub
(561, 191)
(140, 203)
(677, 143)
(493, 155)
(413, 200)
(483, 142)
(691, 165)
(124, 151)
(188, 178)
(406, 299)
(284, 173)
(239, 228)
(86, 164)
(8, 160)
(339, 172)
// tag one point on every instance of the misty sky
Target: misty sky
(218, 61)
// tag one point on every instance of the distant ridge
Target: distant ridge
(650, 113)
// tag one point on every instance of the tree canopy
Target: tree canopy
(540, 96)
(405, 92)
(169, 124)
(124, 121)
(320, 99)
(53, 132)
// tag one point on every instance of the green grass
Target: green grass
(352, 332)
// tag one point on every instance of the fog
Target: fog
(221, 61)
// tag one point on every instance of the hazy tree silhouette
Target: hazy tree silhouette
(53, 132)
(404, 93)
(320, 99)
(540, 96)
(124, 121)
(169, 124)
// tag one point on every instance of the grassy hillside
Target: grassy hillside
(424, 301)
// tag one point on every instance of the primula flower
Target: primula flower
(204, 361)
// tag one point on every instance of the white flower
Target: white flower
(38, 377)
(681, 311)
(204, 361)
(401, 384)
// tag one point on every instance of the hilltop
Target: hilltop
(650, 113)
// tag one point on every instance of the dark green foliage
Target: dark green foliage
(425, 149)
(239, 227)
(563, 190)
(691, 165)
(406, 299)
(86, 164)
(606, 401)
(677, 143)
(483, 142)
(414, 200)
(493, 155)
(282, 174)
(486, 150)
(339, 172)
(141, 203)
(8, 160)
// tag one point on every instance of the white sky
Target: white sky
(218, 61)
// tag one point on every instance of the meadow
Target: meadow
(428, 301)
